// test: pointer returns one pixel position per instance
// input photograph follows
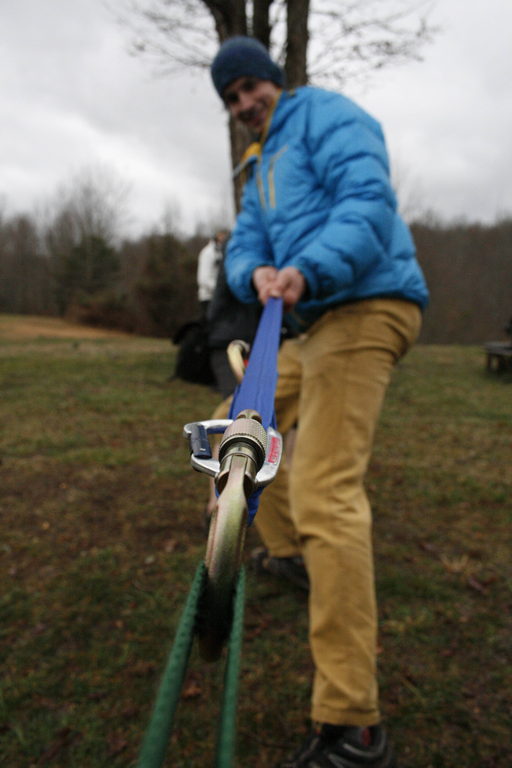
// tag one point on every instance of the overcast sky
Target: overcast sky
(73, 99)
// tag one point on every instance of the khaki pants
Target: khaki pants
(332, 382)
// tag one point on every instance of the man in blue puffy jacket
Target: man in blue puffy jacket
(319, 227)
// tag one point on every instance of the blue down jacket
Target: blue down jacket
(318, 197)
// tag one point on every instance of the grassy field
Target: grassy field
(101, 531)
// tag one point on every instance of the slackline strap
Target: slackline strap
(158, 732)
(159, 729)
(256, 392)
(258, 386)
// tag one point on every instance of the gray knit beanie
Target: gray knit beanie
(243, 57)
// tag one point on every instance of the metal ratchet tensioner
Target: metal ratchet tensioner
(244, 434)
(249, 457)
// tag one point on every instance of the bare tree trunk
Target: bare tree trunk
(261, 22)
(297, 42)
(239, 17)
(230, 17)
(240, 138)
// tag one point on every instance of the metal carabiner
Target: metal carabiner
(238, 352)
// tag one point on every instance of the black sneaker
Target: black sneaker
(344, 746)
(290, 568)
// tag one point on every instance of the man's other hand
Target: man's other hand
(288, 284)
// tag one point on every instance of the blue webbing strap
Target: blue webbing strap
(258, 387)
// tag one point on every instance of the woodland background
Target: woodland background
(77, 266)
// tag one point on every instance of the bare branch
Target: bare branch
(348, 39)
(351, 42)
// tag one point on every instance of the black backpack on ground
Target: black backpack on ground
(193, 357)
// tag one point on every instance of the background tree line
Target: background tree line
(145, 285)
(76, 266)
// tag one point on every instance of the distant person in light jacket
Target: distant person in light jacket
(319, 227)
(209, 260)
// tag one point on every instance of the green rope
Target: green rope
(226, 737)
(156, 739)
(158, 732)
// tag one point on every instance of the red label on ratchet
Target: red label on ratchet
(274, 451)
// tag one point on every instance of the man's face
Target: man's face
(250, 101)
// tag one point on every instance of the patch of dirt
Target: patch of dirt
(24, 327)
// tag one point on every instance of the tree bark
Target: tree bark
(261, 21)
(230, 17)
(297, 42)
(240, 138)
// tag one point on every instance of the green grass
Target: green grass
(101, 532)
